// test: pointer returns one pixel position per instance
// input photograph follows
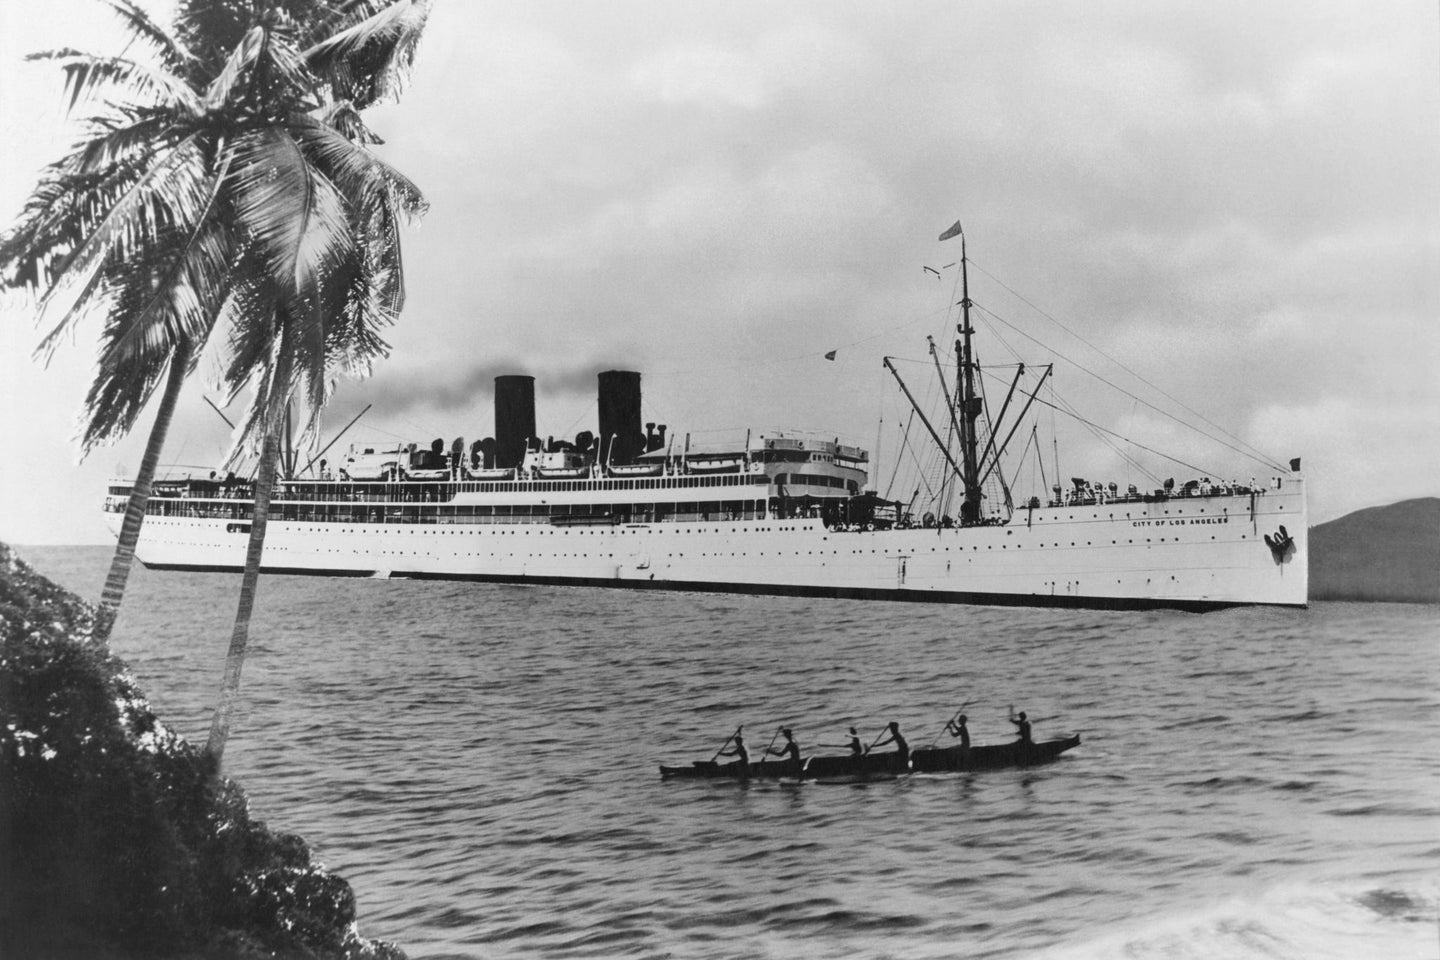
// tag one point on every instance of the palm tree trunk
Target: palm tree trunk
(114, 590)
(249, 582)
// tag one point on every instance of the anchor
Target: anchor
(1281, 544)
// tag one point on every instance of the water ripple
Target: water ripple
(481, 763)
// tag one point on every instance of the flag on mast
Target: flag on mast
(954, 231)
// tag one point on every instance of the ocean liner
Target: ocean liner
(778, 513)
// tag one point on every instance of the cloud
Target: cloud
(703, 75)
(1355, 452)
(804, 58)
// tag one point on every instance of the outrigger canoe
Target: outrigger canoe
(875, 765)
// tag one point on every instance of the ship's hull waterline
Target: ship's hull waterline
(1189, 553)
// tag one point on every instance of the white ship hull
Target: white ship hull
(1183, 552)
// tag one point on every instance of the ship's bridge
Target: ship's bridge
(796, 464)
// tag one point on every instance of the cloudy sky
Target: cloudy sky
(1225, 208)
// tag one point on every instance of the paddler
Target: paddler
(1022, 726)
(739, 751)
(855, 748)
(956, 728)
(789, 749)
(901, 746)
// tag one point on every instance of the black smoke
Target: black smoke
(394, 389)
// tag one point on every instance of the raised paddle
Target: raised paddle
(946, 729)
(773, 737)
(877, 739)
(955, 716)
(726, 743)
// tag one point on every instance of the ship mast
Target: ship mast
(969, 404)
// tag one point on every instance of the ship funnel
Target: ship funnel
(514, 418)
(619, 409)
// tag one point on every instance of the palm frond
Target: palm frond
(140, 24)
(370, 57)
(28, 246)
(287, 74)
(133, 222)
(327, 248)
(357, 172)
(237, 67)
(339, 15)
(343, 116)
(295, 216)
(316, 383)
(270, 195)
(61, 213)
(306, 324)
(252, 320)
(271, 381)
(365, 304)
(248, 318)
(389, 267)
(114, 401)
(146, 324)
(367, 294)
(88, 73)
(90, 297)
(111, 141)
(182, 299)
(249, 431)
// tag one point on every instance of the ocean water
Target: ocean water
(481, 763)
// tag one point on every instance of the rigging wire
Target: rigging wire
(1054, 436)
(1249, 451)
(879, 427)
(919, 467)
(947, 478)
(1114, 447)
(1032, 441)
(1095, 426)
(1040, 458)
(1250, 454)
(904, 439)
(1069, 410)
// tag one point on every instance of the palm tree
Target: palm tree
(320, 271)
(127, 225)
(227, 184)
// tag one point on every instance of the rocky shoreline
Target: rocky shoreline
(118, 839)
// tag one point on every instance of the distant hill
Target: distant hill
(1382, 553)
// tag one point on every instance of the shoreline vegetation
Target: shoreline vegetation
(118, 837)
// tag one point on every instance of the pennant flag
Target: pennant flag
(954, 231)
(830, 355)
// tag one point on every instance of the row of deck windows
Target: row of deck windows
(466, 513)
(440, 492)
(410, 491)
